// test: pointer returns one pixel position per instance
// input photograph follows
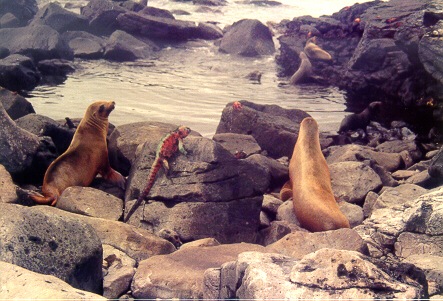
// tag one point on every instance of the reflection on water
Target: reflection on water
(184, 85)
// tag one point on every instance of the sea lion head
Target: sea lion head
(309, 127)
(100, 109)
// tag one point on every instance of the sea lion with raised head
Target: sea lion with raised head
(303, 72)
(86, 156)
(353, 122)
(313, 51)
(314, 202)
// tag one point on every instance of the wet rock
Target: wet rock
(60, 19)
(90, 202)
(38, 42)
(84, 45)
(132, 5)
(102, 15)
(15, 105)
(300, 243)
(54, 71)
(157, 27)
(430, 51)
(17, 282)
(275, 129)
(138, 244)
(209, 31)
(210, 2)
(18, 72)
(49, 244)
(351, 181)
(22, 10)
(166, 276)
(8, 192)
(248, 38)
(23, 154)
(121, 47)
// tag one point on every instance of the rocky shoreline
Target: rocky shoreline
(215, 227)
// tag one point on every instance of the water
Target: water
(191, 84)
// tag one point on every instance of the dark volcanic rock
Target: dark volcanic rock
(121, 46)
(23, 10)
(8, 20)
(84, 45)
(38, 42)
(275, 129)
(102, 15)
(18, 72)
(157, 12)
(60, 19)
(248, 38)
(15, 105)
(436, 168)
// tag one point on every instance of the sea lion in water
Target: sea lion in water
(86, 156)
(303, 72)
(313, 51)
(353, 122)
(314, 202)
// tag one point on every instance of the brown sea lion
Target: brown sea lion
(86, 156)
(313, 51)
(303, 72)
(353, 122)
(314, 201)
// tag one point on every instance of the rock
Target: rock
(286, 213)
(22, 10)
(125, 139)
(60, 19)
(423, 179)
(430, 51)
(54, 71)
(398, 196)
(278, 172)
(300, 243)
(20, 283)
(353, 213)
(271, 204)
(236, 143)
(166, 276)
(397, 146)
(210, 2)
(113, 257)
(138, 244)
(15, 105)
(275, 129)
(351, 181)
(18, 72)
(39, 42)
(171, 236)
(386, 178)
(416, 244)
(90, 202)
(209, 31)
(102, 16)
(121, 47)
(430, 264)
(205, 242)
(157, 27)
(24, 155)
(157, 12)
(256, 275)
(276, 231)
(8, 20)
(132, 6)
(248, 38)
(436, 167)
(368, 205)
(8, 192)
(265, 220)
(49, 244)
(84, 45)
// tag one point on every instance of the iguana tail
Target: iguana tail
(154, 170)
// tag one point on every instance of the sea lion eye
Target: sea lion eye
(101, 109)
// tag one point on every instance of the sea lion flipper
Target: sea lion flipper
(286, 191)
(116, 178)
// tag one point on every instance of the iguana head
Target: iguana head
(183, 131)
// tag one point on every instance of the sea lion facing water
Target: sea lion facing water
(313, 51)
(353, 122)
(86, 156)
(303, 72)
(310, 180)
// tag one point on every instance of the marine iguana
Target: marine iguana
(167, 146)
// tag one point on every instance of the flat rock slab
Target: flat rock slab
(19, 283)
(180, 274)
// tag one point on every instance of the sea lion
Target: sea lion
(86, 156)
(315, 52)
(314, 202)
(353, 122)
(303, 72)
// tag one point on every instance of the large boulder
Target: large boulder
(60, 19)
(23, 154)
(180, 274)
(38, 42)
(122, 46)
(50, 244)
(324, 274)
(15, 105)
(19, 283)
(248, 38)
(18, 72)
(102, 15)
(275, 129)
(206, 193)
(84, 45)
(22, 10)
(436, 167)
